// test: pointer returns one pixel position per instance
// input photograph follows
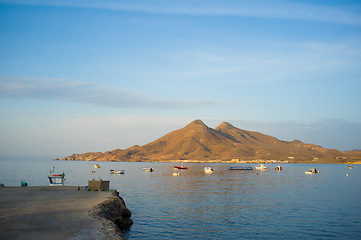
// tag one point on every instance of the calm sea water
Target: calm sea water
(223, 205)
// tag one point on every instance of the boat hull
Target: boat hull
(147, 169)
(240, 168)
(208, 170)
(181, 168)
(261, 167)
(114, 171)
(312, 171)
(56, 180)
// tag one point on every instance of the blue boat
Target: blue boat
(240, 168)
(56, 179)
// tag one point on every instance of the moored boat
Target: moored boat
(176, 174)
(182, 167)
(261, 167)
(209, 170)
(115, 171)
(56, 179)
(312, 171)
(240, 168)
(278, 168)
(147, 169)
(96, 166)
(350, 167)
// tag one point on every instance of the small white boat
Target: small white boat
(115, 171)
(176, 173)
(147, 169)
(261, 167)
(312, 171)
(209, 170)
(96, 166)
(56, 179)
(350, 167)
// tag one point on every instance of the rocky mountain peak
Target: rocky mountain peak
(224, 125)
(196, 124)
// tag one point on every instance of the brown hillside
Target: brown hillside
(196, 141)
(267, 147)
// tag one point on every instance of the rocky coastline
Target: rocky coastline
(113, 216)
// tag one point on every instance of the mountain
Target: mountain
(196, 141)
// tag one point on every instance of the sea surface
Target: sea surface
(269, 204)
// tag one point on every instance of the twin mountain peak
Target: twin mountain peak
(197, 141)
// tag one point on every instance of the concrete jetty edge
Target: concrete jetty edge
(112, 216)
(61, 212)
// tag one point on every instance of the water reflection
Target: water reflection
(225, 204)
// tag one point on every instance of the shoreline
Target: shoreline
(61, 212)
(356, 162)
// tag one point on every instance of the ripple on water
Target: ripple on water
(223, 205)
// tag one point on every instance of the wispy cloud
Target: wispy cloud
(255, 8)
(274, 61)
(90, 93)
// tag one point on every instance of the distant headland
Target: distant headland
(197, 142)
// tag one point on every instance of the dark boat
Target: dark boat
(240, 168)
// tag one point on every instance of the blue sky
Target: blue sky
(79, 76)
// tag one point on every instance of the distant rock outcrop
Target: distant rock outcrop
(196, 141)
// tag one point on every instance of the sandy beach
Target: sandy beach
(50, 213)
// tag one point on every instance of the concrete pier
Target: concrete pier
(58, 213)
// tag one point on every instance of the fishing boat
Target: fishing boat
(278, 168)
(261, 167)
(56, 179)
(147, 169)
(209, 170)
(182, 167)
(115, 171)
(312, 171)
(96, 166)
(240, 168)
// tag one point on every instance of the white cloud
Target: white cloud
(276, 61)
(264, 61)
(90, 93)
(247, 8)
